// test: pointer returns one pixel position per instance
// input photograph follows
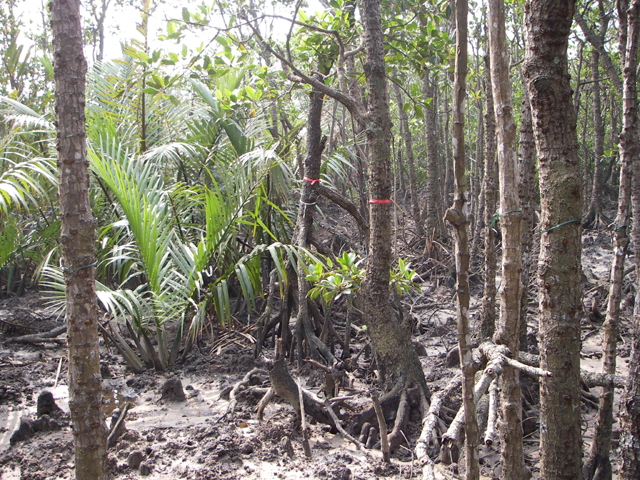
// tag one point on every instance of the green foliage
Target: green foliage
(345, 277)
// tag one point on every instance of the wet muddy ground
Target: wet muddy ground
(199, 439)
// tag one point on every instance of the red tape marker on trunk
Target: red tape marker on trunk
(379, 201)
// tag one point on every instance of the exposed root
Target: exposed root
(402, 417)
(382, 424)
(241, 385)
(285, 386)
(264, 402)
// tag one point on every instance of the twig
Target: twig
(382, 425)
(114, 430)
(55, 384)
(342, 431)
(303, 424)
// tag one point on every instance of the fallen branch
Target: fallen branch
(303, 423)
(39, 337)
(429, 424)
(490, 434)
(590, 379)
(114, 431)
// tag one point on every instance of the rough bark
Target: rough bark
(487, 321)
(396, 357)
(527, 187)
(630, 408)
(433, 222)
(457, 215)
(548, 24)
(598, 465)
(507, 333)
(315, 144)
(77, 237)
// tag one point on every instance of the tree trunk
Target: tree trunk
(548, 24)
(598, 465)
(77, 237)
(315, 144)
(396, 357)
(433, 223)
(507, 332)
(526, 192)
(595, 205)
(629, 152)
(488, 309)
(480, 210)
(457, 215)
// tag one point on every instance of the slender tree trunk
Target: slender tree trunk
(77, 237)
(408, 145)
(526, 192)
(548, 24)
(510, 289)
(595, 205)
(433, 223)
(315, 144)
(598, 465)
(458, 217)
(480, 211)
(630, 407)
(487, 324)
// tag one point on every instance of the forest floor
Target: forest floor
(197, 438)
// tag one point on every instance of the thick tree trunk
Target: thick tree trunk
(629, 152)
(487, 323)
(507, 332)
(457, 215)
(396, 357)
(77, 237)
(548, 24)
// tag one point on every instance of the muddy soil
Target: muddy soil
(198, 438)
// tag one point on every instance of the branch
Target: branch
(39, 337)
(346, 204)
(354, 108)
(593, 39)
